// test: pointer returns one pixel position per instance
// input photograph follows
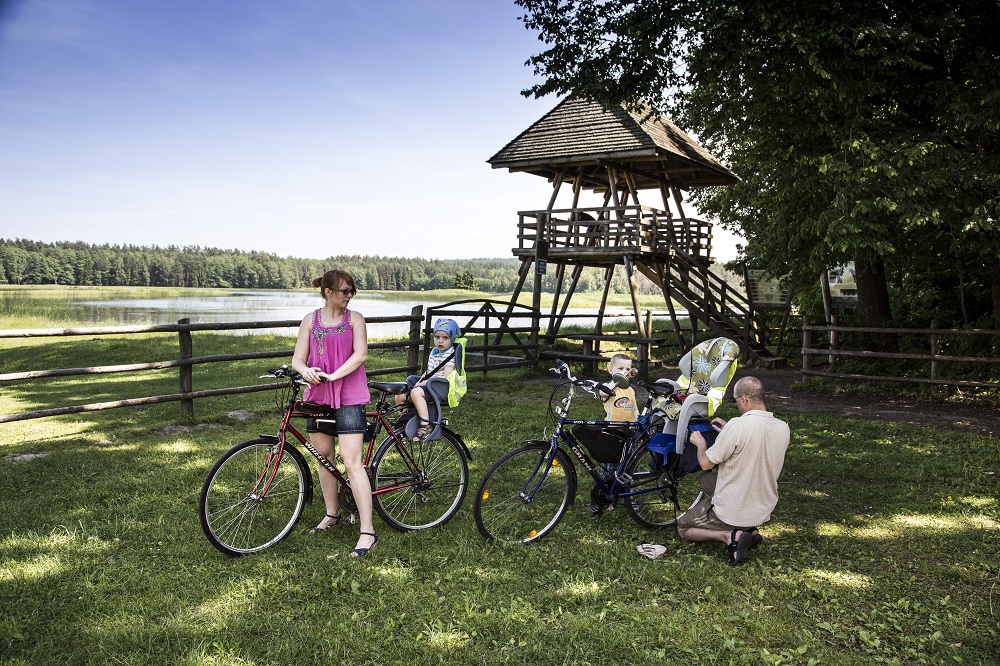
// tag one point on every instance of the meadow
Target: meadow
(883, 549)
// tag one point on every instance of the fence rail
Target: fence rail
(187, 360)
(501, 336)
(833, 351)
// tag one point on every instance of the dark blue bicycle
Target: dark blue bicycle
(526, 492)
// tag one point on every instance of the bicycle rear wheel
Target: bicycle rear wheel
(522, 497)
(657, 487)
(432, 479)
(251, 500)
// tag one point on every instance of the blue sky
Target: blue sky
(306, 128)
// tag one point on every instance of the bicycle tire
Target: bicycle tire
(431, 493)
(234, 518)
(658, 486)
(505, 514)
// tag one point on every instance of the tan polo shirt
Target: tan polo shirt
(750, 452)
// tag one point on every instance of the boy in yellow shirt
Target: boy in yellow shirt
(621, 406)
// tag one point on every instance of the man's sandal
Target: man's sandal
(335, 523)
(739, 549)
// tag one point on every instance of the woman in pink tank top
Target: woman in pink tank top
(330, 353)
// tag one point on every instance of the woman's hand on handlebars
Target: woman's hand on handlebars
(315, 376)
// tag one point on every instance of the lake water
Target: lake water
(249, 305)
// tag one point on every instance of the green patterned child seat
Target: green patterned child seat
(706, 372)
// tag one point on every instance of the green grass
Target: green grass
(883, 549)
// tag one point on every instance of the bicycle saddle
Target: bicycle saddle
(388, 387)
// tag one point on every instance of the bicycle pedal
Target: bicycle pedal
(349, 519)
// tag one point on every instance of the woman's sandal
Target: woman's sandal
(361, 552)
(739, 549)
(335, 523)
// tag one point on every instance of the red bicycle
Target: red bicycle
(256, 492)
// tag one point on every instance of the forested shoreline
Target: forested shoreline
(27, 262)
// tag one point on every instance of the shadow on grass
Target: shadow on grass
(883, 548)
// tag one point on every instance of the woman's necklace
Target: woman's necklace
(343, 322)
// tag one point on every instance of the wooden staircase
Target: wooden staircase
(706, 297)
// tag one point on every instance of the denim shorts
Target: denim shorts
(350, 419)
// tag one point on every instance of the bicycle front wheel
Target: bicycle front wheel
(657, 487)
(430, 480)
(252, 499)
(523, 497)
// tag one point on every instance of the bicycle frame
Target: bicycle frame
(377, 420)
(578, 450)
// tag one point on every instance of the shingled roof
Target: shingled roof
(579, 133)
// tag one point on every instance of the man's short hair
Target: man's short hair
(750, 388)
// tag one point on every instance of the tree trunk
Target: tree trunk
(996, 293)
(874, 308)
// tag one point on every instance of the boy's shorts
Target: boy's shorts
(439, 387)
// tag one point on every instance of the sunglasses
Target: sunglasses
(346, 292)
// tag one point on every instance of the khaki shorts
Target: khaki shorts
(702, 514)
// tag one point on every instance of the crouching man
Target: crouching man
(750, 451)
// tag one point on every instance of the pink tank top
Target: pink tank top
(329, 348)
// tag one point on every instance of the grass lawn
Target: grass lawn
(884, 548)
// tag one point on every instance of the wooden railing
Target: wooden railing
(929, 339)
(636, 228)
(186, 360)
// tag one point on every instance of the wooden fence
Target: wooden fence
(929, 339)
(501, 335)
(186, 360)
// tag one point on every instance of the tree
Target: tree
(860, 131)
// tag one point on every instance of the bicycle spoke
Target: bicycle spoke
(522, 497)
(428, 482)
(235, 518)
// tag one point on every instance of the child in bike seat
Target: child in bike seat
(440, 363)
(620, 406)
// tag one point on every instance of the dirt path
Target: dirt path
(780, 395)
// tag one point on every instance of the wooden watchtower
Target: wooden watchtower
(609, 157)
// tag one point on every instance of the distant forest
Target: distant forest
(81, 264)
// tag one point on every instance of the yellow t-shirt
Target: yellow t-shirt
(621, 406)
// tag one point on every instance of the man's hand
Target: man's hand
(701, 445)
(718, 424)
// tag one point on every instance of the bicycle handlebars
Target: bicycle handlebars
(656, 388)
(285, 371)
(588, 385)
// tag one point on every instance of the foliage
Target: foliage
(860, 131)
(35, 263)
(882, 550)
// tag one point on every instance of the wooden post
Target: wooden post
(541, 258)
(834, 344)
(935, 349)
(806, 344)
(589, 367)
(642, 358)
(649, 323)
(413, 350)
(187, 377)
(486, 351)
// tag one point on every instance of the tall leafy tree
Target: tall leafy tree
(863, 131)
